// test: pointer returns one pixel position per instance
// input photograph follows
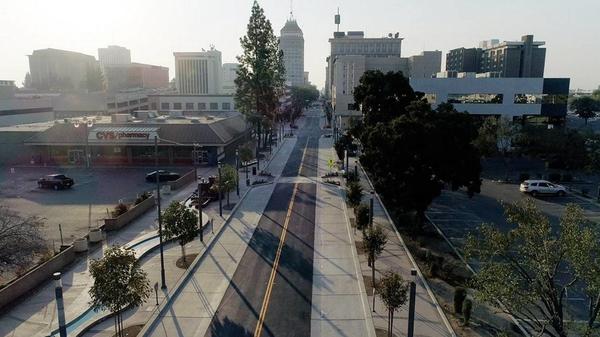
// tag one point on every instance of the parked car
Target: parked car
(55, 181)
(162, 176)
(542, 187)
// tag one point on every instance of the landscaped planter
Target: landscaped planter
(95, 235)
(80, 245)
(111, 224)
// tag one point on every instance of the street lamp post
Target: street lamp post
(219, 187)
(86, 125)
(200, 222)
(237, 171)
(371, 209)
(60, 306)
(411, 303)
(160, 238)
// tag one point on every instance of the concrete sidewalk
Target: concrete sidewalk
(429, 318)
(339, 299)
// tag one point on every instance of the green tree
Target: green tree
(560, 148)
(94, 79)
(596, 94)
(181, 223)
(585, 107)
(412, 151)
(353, 193)
(246, 153)
(393, 291)
(374, 240)
(229, 180)
(301, 98)
(119, 282)
(529, 268)
(362, 216)
(260, 76)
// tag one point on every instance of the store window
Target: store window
(165, 106)
(475, 98)
(189, 106)
(226, 106)
(202, 106)
(214, 106)
(176, 106)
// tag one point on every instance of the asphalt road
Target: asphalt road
(271, 291)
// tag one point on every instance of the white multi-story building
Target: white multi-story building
(229, 76)
(291, 42)
(510, 97)
(198, 73)
(191, 103)
(114, 55)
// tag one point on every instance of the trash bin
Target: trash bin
(254, 170)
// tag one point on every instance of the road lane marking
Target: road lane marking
(267, 298)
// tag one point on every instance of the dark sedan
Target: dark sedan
(162, 176)
(55, 181)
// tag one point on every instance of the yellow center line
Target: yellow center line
(267, 298)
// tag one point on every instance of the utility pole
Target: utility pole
(411, 304)
(201, 224)
(219, 187)
(60, 305)
(237, 171)
(160, 238)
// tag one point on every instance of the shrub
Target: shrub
(142, 197)
(362, 216)
(467, 308)
(460, 294)
(523, 177)
(119, 210)
(353, 193)
(554, 177)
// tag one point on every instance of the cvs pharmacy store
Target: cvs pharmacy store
(123, 141)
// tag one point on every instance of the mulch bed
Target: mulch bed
(189, 258)
(132, 331)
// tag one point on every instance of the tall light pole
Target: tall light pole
(219, 187)
(86, 125)
(411, 303)
(237, 171)
(201, 224)
(160, 238)
(371, 211)
(60, 306)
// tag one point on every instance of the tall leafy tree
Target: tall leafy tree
(529, 268)
(585, 107)
(181, 223)
(301, 98)
(119, 282)
(410, 150)
(260, 76)
(20, 239)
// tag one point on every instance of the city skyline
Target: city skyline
(189, 26)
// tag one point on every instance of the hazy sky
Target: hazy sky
(154, 29)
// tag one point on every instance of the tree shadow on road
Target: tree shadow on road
(227, 328)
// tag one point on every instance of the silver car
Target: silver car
(542, 187)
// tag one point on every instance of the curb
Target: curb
(412, 260)
(176, 289)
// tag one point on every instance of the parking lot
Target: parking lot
(96, 192)
(456, 215)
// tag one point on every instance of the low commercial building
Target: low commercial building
(121, 140)
(515, 98)
(202, 103)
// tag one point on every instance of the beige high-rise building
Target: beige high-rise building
(114, 55)
(198, 73)
(291, 42)
(229, 76)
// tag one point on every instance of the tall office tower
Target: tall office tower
(229, 76)
(522, 58)
(114, 55)
(55, 69)
(291, 42)
(198, 73)
(463, 60)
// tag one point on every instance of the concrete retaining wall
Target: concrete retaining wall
(183, 181)
(112, 224)
(35, 277)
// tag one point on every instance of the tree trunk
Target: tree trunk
(183, 253)
(116, 331)
(389, 327)
(391, 322)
